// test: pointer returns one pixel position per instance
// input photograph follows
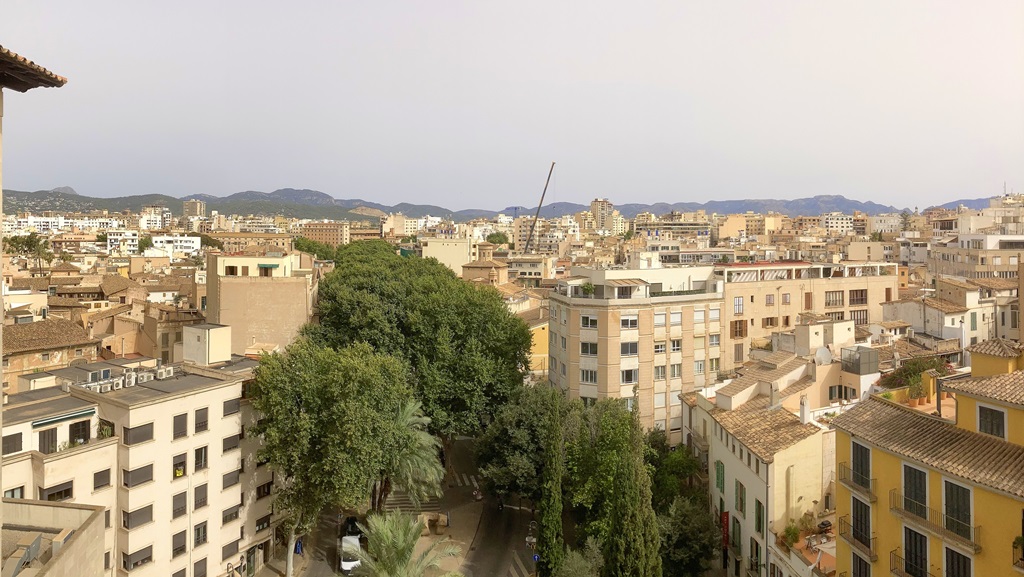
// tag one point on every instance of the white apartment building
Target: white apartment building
(160, 448)
(891, 223)
(837, 223)
(123, 241)
(179, 244)
(155, 218)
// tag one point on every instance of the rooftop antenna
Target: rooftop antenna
(533, 225)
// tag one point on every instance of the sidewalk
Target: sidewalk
(463, 520)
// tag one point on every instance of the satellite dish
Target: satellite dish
(822, 356)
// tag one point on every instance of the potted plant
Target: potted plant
(887, 396)
(915, 391)
(791, 534)
(587, 289)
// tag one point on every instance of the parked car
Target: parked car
(349, 558)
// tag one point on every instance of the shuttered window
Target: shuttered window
(140, 434)
(12, 443)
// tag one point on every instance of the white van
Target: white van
(349, 559)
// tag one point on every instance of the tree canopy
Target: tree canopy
(323, 251)
(497, 238)
(689, 538)
(467, 353)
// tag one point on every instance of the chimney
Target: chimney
(805, 411)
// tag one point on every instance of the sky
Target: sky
(466, 104)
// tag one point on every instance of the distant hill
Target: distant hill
(305, 203)
(971, 203)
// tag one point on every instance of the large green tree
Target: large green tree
(689, 538)
(550, 541)
(391, 549)
(321, 250)
(671, 470)
(467, 353)
(326, 422)
(413, 467)
(497, 238)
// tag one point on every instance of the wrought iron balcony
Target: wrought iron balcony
(900, 567)
(935, 521)
(857, 482)
(864, 543)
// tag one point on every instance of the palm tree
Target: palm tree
(414, 467)
(391, 548)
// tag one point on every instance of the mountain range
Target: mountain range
(304, 203)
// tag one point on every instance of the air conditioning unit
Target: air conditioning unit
(129, 379)
(104, 388)
(161, 373)
(145, 377)
(118, 383)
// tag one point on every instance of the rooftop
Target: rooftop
(983, 459)
(997, 348)
(762, 430)
(995, 283)
(941, 305)
(1008, 388)
(48, 333)
(21, 74)
(55, 406)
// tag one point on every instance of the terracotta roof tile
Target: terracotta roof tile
(1008, 388)
(21, 74)
(982, 459)
(999, 284)
(997, 348)
(762, 430)
(45, 334)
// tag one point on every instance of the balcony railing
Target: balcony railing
(699, 441)
(866, 544)
(935, 521)
(735, 548)
(1018, 556)
(900, 567)
(857, 482)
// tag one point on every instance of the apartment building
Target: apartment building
(764, 297)
(644, 336)
(550, 235)
(42, 345)
(977, 255)
(193, 208)
(328, 232)
(264, 294)
(891, 223)
(123, 241)
(178, 244)
(397, 225)
(239, 241)
(837, 223)
(922, 495)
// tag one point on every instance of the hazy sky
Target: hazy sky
(465, 104)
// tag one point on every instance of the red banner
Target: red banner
(725, 529)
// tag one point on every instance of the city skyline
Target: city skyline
(659, 103)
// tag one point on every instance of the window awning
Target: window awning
(267, 265)
(61, 418)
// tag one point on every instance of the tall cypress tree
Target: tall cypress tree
(550, 542)
(632, 546)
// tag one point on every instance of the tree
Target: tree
(497, 238)
(550, 542)
(210, 242)
(689, 538)
(101, 238)
(632, 545)
(585, 562)
(326, 424)
(466, 351)
(145, 242)
(905, 220)
(413, 467)
(671, 469)
(322, 251)
(628, 235)
(511, 452)
(391, 543)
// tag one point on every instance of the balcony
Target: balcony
(735, 548)
(864, 543)
(899, 567)
(699, 441)
(1018, 557)
(857, 482)
(750, 572)
(935, 522)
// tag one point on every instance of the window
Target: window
(137, 518)
(737, 305)
(100, 479)
(659, 372)
(588, 349)
(958, 510)
(738, 353)
(629, 321)
(46, 356)
(629, 349)
(675, 318)
(229, 550)
(659, 348)
(698, 343)
(12, 443)
(199, 568)
(769, 322)
(957, 565)
(178, 545)
(180, 426)
(713, 365)
(629, 376)
(698, 367)
(677, 370)
(588, 321)
(61, 492)
(659, 319)
(563, 343)
(720, 476)
(992, 422)
(199, 495)
(201, 420)
(738, 329)
(230, 514)
(860, 513)
(231, 406)
(15, 493)
(179, 505)
(106, 562)
(915, 491)
(861, 456)
(140, 434)
(769, 300)
(677, 345)
(785, 298)
(138, 476)
(714, 340)
(178, 465)
(80, 432)
(915, 547)
(859, 297)
(860, 567)
(48, 441)
(588, 376)
(836, 316)
(698, 317)
(859, 317)
(231, 479)
(741, 499)
(758, 517)
(264, 490)
(262, 523)
(834, 298)
(106, 519)
(200, 534)
(140, 557)
(201, 461)
(231, 443)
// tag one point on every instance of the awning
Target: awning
(627, 282)
(66, 417)
(267, 265)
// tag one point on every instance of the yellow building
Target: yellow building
(996, 357)
(920, 495)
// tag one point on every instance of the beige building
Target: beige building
(239, 241)
(329, 232)
(192, 208)
(43, 345)
(645, 336)
(265, 296)
(762, 298)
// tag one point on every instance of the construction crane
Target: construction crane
(533, 225)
